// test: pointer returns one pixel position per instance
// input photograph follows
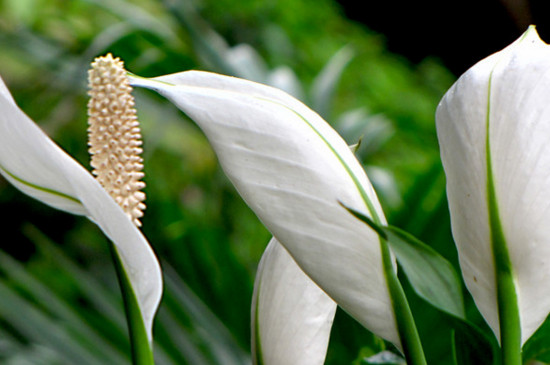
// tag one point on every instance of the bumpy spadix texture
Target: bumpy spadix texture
(502, 103)
(114, 135)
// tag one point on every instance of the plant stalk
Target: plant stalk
(508, 308)
(510, 328)
(142, 349)
(406, 327)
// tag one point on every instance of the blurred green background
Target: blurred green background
(59, 300)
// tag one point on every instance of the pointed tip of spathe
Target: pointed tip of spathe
(532, 35)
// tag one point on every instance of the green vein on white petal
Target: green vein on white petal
(372, 210)
(508, 159)
(360, 188)
(368, 202)
(507, 298)
(291, 316)
(40, 188)
(292, 169)
(38, 167)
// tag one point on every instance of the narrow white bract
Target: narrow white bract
(498, 112)
(114, 137)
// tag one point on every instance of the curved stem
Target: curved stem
(508, 308)
(510, 329)
(408, 334)
(142, 350)
(406, 327)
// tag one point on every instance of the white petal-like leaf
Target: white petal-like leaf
(291, 316)
(502, 102)
(293, 170)
(32, 162)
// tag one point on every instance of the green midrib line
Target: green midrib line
(508, 309)
(362, 192)
(405, 323)
(40, 188)
(406, 326)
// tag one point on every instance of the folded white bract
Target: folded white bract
(294, 171)
(494, 128)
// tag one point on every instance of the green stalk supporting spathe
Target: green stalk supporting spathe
(408, 334)
(406, 326)
(142, 348)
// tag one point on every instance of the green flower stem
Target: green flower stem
(508, 309)
(406, 327)
(510, 330)
(142, 351)
(408, 334)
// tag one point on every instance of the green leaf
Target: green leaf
(471, 346)
(88, 285)
(431, 276)
(190, 321)
(37, 326)
(538, 346)
(59, 308)
(325, 83)
(434, 279)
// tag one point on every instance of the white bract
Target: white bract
(291, 316)
(495, 122)
(34, 164)
(294, 171)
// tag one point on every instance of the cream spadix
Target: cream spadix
(294, 170)
(114, 136)
(33, 163)
(493, 127)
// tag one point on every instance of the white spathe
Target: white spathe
(293, 170)
(291, 316)
(33, 163)
(508, 92)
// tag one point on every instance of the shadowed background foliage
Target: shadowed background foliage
(59, 301)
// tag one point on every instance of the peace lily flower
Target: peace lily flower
(34, 164)
(296, 173)
(493, 128)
